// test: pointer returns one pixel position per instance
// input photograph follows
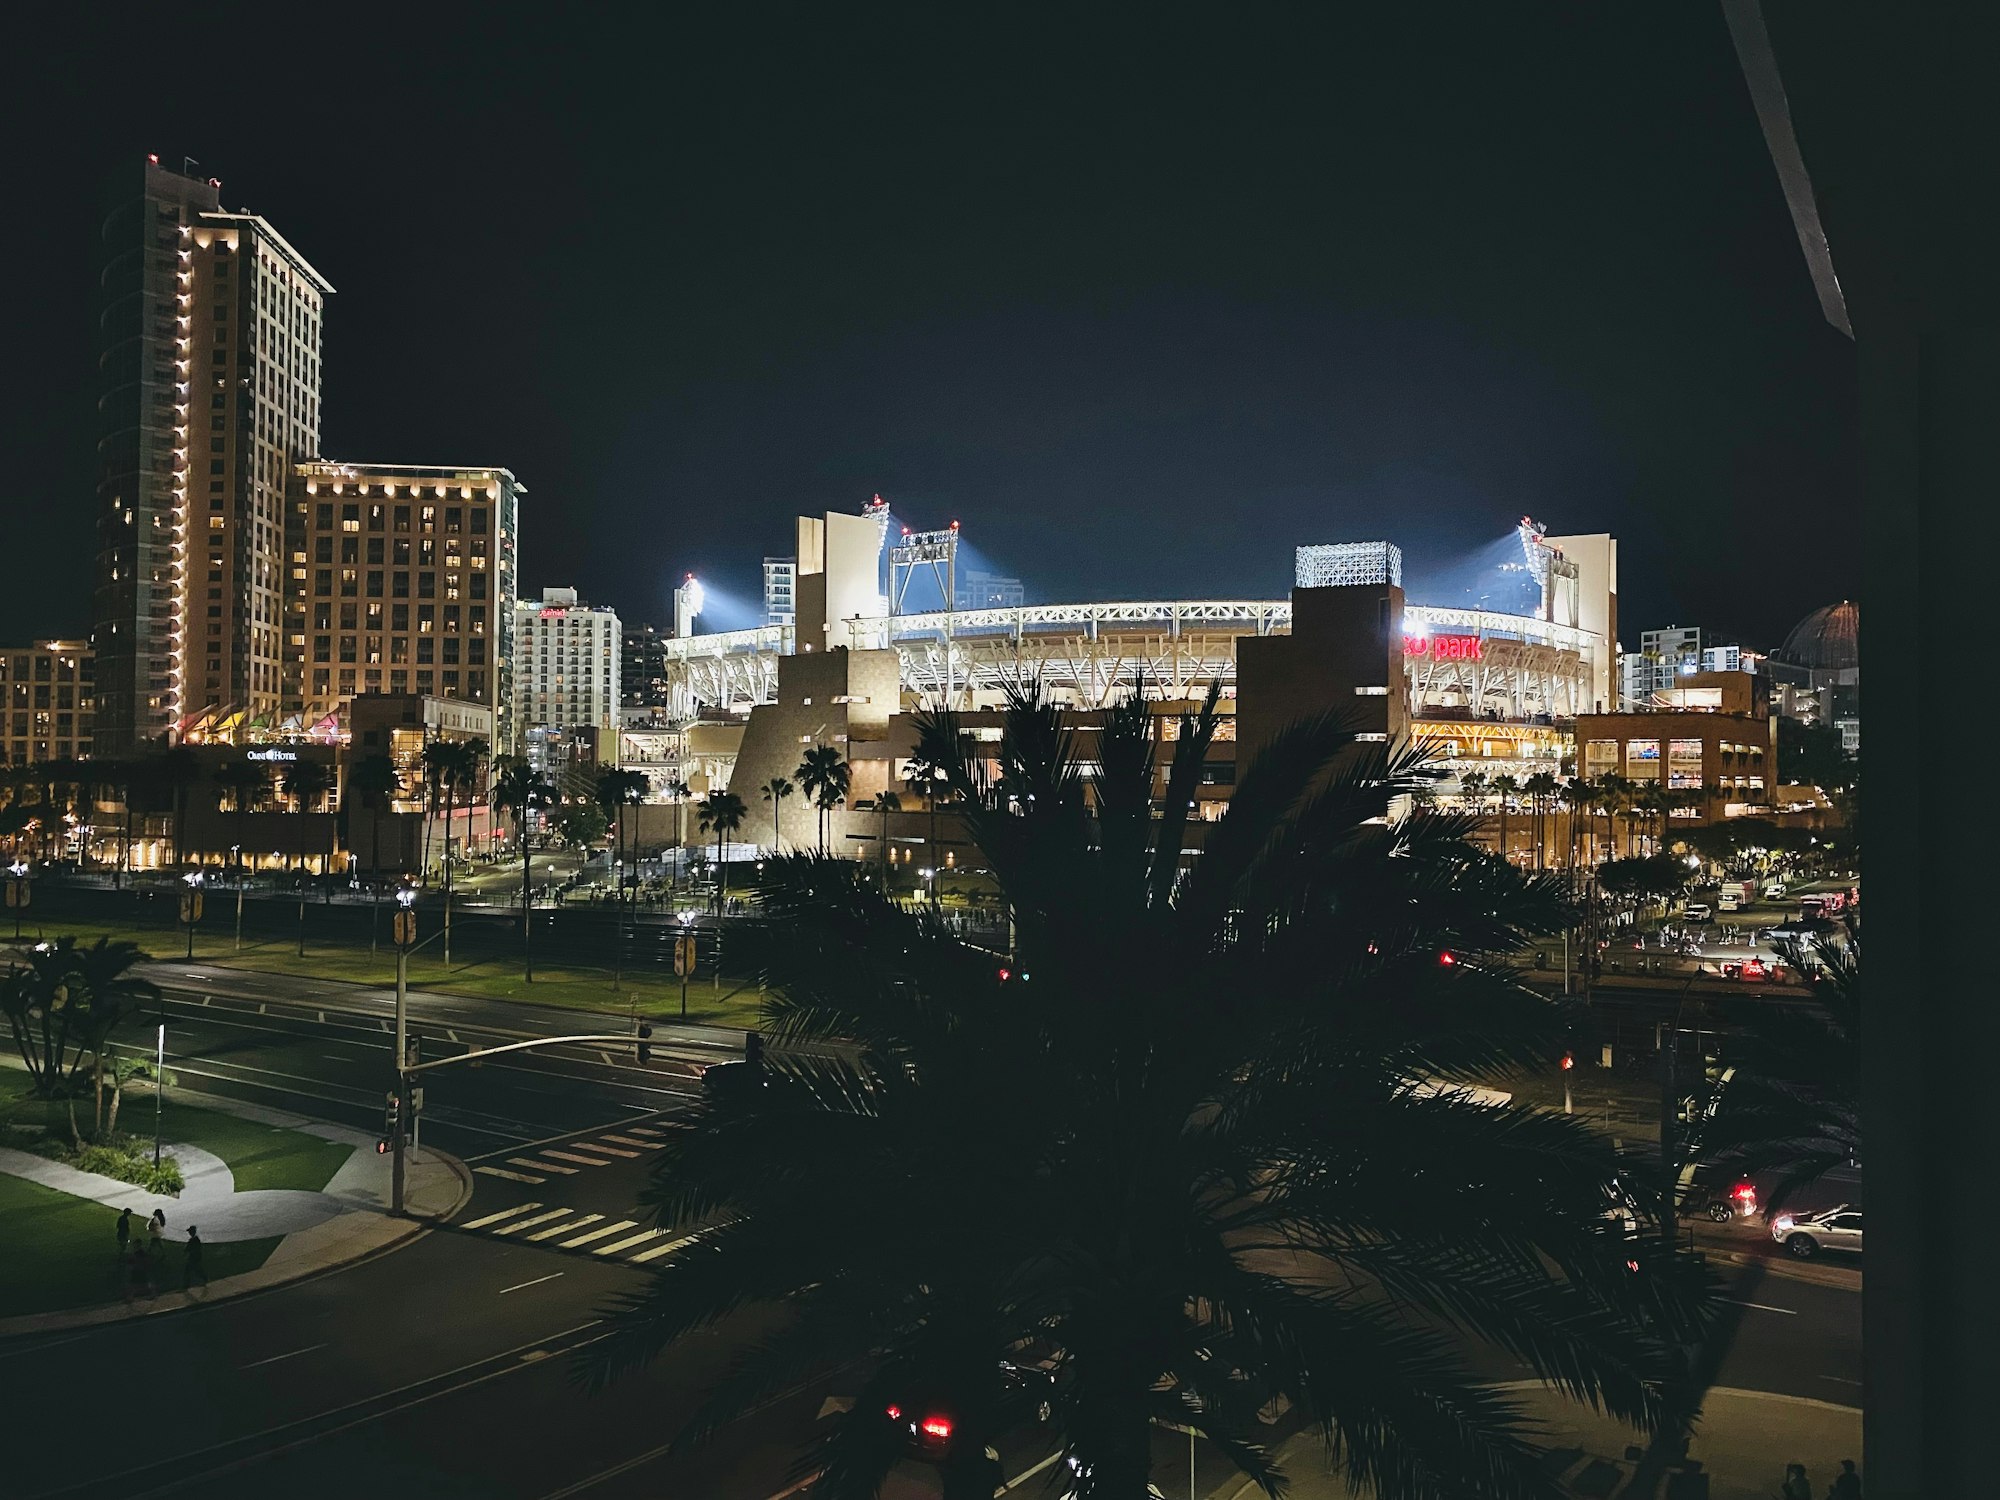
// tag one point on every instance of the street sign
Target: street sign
(684, 955)
(191, 907)
(18, 894)
(406, 929)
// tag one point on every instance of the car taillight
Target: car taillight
(937, 1427)
(1746, 1194)
(895, 1414)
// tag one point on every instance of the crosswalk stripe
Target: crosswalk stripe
(505, 1213)
(641, 1130)
(598, 1233)
(582, 1161)
(549, 1234)
(666, 1249)
(554, 1213)
(616, 1245)
(511, 1176)
(607, 1150)
(626, 1140)
(540, 1166)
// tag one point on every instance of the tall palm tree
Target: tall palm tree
(1505, 787)
(615, 791)
(775, 791)
(435, 766)
(1541, 788)
(520, 787)
(722, 813)
(70, 996)
(923, 775)
(886, 803)
(678, 792)
(376, 781)
(177, 769)
(825, 777)
(1228, 1168)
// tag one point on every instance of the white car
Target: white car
(1697, 911)
(1805, 1235)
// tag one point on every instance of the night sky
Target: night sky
(1143, 303)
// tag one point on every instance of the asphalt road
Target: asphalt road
(447, 1368)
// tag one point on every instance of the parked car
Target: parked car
(1698, 911)
(1805, 1235)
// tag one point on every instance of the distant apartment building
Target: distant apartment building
(781, 582)
(977, 590)
(209, 390)
(642, 679)
(1667, 657)
(402, 581)
(570, 659)
(47, 691)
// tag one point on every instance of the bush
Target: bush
(124, 1163)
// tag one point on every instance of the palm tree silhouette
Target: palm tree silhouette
(1228, 1168)
(722, 813)
(775, 791)
(825, 778)
(375, 780)
(520, 787)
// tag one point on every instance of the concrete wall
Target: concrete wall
(1342, 639)
(840, 698)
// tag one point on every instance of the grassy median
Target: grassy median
(571, 987)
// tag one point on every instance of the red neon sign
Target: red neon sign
(1443, 647)
(554, 614)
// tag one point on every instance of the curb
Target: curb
(263, 1279)
(1790, 1269)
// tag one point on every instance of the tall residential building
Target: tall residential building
(46, 710)
(209, 385)
(1667, 656)
(781, 582)
(570, 658)
(402, 580)
(642, 676)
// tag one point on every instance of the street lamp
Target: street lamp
(191, 907)
(18, 892)
(684, 957)
(406, 939)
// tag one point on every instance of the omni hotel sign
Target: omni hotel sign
(1443, 647)
(271, 755)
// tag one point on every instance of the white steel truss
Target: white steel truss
(1527, 667)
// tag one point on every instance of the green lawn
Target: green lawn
(61, 1252)
(258, 1155)
(576, 988)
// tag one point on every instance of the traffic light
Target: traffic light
(1569, 1061)
(1445, 960)
(392, 1116)
(413, 1050)
(645, 1043)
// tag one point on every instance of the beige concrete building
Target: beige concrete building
(46, 702)
(210, 384)
(402, 581)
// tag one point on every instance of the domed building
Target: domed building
(1827, 640)
(1816, 674)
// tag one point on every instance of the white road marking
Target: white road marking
(642, 1130)
(608, 1150)
(276, 1357)
(626, 1140)
(1027, 1474)
(599, 1233)
(1840, 1380)
(539, 1166)
(322, 1017)
(526, 1177)
(558, 1213)
(536, 1282)
(549, 1234)
(453, 1035)
(616, 1245)
(1763, 1306)
(582, 1161)
(505, 1213)
(667, 1249)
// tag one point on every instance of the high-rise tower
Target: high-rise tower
(209, 393)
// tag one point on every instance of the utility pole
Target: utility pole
(406, 939)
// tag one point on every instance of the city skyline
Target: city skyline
(1325, 313)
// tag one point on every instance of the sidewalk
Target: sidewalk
(346, 1222)
(1739, 1451)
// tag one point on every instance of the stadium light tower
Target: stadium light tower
(688, 601)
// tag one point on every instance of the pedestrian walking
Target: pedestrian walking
(191, 1266)
(124, 1233)
(1846, 1484)
(156, 1229)
(1796, 1485)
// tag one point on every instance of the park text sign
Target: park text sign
(1443, 647)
